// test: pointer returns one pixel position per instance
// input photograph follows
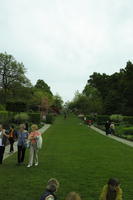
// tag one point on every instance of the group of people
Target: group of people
(110, 191)
(110, 128)
(25, 140)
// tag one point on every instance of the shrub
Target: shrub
(128, 119)
(21, 117)
(4, 117)
(34, 117)
(2, 107)
(49, 118)
(116, 118)
(128, 131)
(101, 119)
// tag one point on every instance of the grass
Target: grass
(81, 159)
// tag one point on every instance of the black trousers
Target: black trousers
(2, 150)
(21, 154)
(11, 140)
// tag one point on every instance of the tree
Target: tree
(43, 86)
(11, 72)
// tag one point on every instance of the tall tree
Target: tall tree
(43, 86)
(11, 72)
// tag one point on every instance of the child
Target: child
(112, 190)
(51, 188)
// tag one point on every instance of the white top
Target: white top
(1, 139)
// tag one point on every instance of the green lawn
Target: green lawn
(81, 159)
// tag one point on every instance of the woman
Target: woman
(112, 190)
(33, 137)
(22, 136)
(11, 138)
(3, 139)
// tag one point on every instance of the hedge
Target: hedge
(128, 119)
(101, 119)
(49, 119)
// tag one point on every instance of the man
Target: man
(52, 187)
(22, 136)
(107, 127)
(3, 139)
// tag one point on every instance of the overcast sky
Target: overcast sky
(64, 41)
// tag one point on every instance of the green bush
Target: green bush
(116, 118)
(49, 119)
(34, 117)
(21, 117)
(101, 119)
(4, 117)
(2, 107)
(128, 119)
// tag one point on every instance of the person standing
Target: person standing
(22, 136)
(11, 138)
(107, 127)
(112, 128)
(3, 139)
(33, 138)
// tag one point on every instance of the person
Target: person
(3, 139)
(33, 137)
(107, 127)
(26, 126)
(112, 190)
(22, 136)
(51, 189)
(11, 138)
(73, 196)
(112, 128)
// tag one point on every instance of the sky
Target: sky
(64, 41)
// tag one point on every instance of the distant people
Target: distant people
(107, 127)
(112, 190)
(73, 196)
(3, 139)
(33, 139)
(112, 128)
(65, 115)
(51, 189)
(22, 136)
(11, 138)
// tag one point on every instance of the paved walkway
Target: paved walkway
(129, 143)
(7, 149)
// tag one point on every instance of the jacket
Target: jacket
(48, 195)
(105, 190)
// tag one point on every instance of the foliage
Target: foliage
(16, 106)
(128, 119)
(11, 72)
(21, 117)
(4, 117)
(101, 119)
(116, 118)
(43, 86)
(2, 107)
(49, 119)
(34, 117)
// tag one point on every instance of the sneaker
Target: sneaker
(29, 165)
(36, 164)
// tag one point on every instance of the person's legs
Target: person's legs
(23, 154)
(2, 149)
(19, 154)
(36, 155)
(31, 155)
(11, 144)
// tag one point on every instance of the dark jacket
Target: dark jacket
(47, 194)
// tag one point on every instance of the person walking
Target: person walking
(3, 139)
(51, 189)
(33, 139)
(112, 190)
(11, 138)
(112, 128)
(22, 136)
